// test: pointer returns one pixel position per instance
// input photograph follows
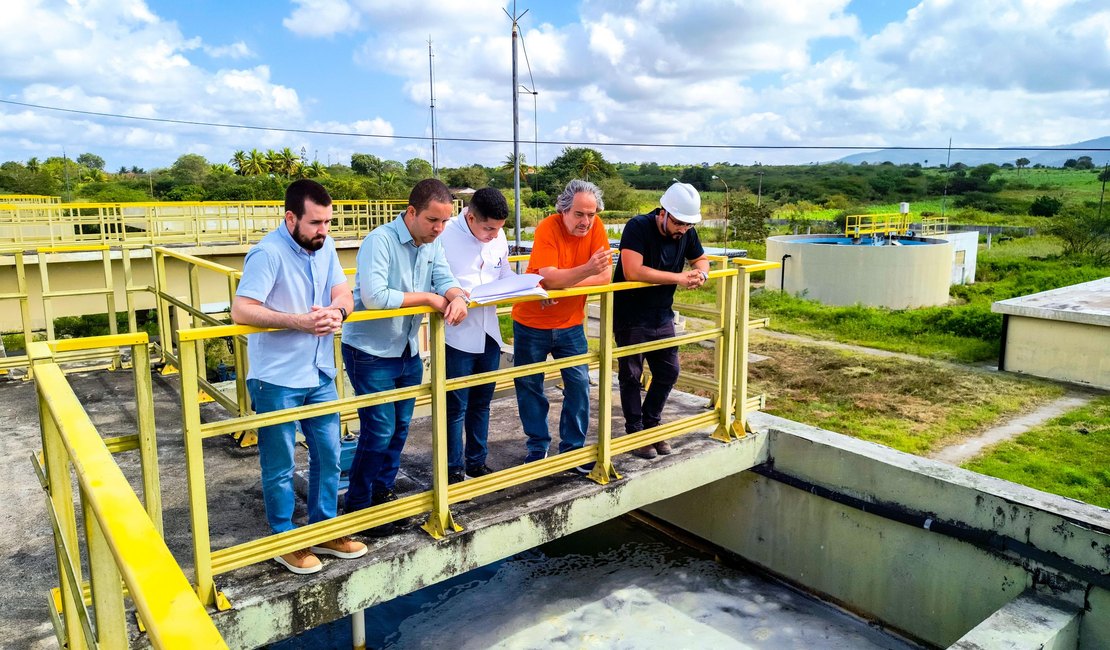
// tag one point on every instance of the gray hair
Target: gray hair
(566, 197)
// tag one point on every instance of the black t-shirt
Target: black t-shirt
(651, 306)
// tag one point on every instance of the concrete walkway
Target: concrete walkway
(1008, 430)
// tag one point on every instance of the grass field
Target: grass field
(1069, 456)
(911, 406)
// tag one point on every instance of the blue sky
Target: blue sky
(805, 73)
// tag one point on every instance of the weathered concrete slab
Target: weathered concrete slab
(1028, 622)
(1088, 302)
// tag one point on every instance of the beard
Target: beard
(307, 243)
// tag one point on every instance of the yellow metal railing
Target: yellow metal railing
(164, 223)
(934, 226)
(123, 541)
(864, 225)
(727, 417)
(30, 199)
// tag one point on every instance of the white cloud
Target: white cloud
(316, 18)
(237, 50)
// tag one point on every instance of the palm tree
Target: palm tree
(289, 161)
(238, 161)
(256, 164)
(33, 165)
(316, 170)
(588, 163)
(510, 164)
(273, 162)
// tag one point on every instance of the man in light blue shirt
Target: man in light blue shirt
(399, 264)
(292, 281)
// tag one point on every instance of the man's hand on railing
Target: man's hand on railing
(322, 321)
(692, 279)
(456, 310)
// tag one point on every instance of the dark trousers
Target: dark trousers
(640, 415)
(468, 408)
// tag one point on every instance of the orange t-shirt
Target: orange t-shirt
(554, 247)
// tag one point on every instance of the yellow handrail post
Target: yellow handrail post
(239, 354)
(740, 424)
(194, 300)
(340, 385)
(194, 467)
(129, 288)
(24, 308)
(603, 470)
(106, 584)
(440, 521)
(148, 444)
(726, 357)
(59, 493)
(162, 307)
(44, 282)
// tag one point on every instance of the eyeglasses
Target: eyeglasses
(679, 224)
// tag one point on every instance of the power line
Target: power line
(654, 145)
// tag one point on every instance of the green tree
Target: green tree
(749, 221)
(91, 160)
(474, 176)
(316, 170)
(417, 169)
(366, 164)
(189, 169)
(510, 164)
(239, 162)
(588, 164)
(256, 164)
(33, 165)
(1021, 163)
(1083, 233)
(1045, 206)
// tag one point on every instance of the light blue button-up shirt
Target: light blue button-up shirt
(285, 277)
(390, 264)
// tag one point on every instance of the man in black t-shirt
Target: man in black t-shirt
(655, 248)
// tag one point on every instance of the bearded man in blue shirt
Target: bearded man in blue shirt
(293, 282)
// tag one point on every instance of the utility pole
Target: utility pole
(432, 94)
(516, 127)
(759, 193)
(1104, 176)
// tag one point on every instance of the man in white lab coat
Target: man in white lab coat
(478, 253)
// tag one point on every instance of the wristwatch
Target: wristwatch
(343, 313)
(704, 275)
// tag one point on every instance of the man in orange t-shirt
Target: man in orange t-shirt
(570, 249)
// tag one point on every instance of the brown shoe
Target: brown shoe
(344, 547)
(647, 451)
(663, 447)
(301, 562)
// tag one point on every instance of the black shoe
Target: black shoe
(385, 530)
(476, 471)
(455, 476)
(377, 498)
(584, 470)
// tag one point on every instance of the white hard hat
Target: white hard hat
(682, 202)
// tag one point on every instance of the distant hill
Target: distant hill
(1045, 157)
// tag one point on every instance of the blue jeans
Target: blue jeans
(276, 446)
(382, 429)
(531, 345)
(469, 407)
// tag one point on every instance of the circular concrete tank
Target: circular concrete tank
(899, 274)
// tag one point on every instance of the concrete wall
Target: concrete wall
(85, 270)
(967, 244)
(928, 584)
(898, 277)
(1057, 349)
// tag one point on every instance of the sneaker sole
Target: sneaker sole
(298, 570)
(323, 550)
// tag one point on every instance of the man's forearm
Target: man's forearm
(258, 315)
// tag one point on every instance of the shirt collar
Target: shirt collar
(402, 231)
(288, 237)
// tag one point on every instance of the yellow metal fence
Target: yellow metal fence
(24, 224)
(127, 556)
(727, 417)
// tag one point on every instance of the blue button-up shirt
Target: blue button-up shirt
(390, 264)
(285, 277)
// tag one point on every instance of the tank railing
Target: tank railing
(20, 295)
(127, 557)
(727, 418)
(934, 226)
(29, 199)
(179, 222)
(863, 225)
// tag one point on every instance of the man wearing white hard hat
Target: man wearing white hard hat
(655, 247)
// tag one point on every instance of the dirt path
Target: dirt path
(1011, 428)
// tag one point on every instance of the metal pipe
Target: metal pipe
(358, 629)
(782, 274)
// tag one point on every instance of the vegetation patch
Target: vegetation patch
(1065, 456)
